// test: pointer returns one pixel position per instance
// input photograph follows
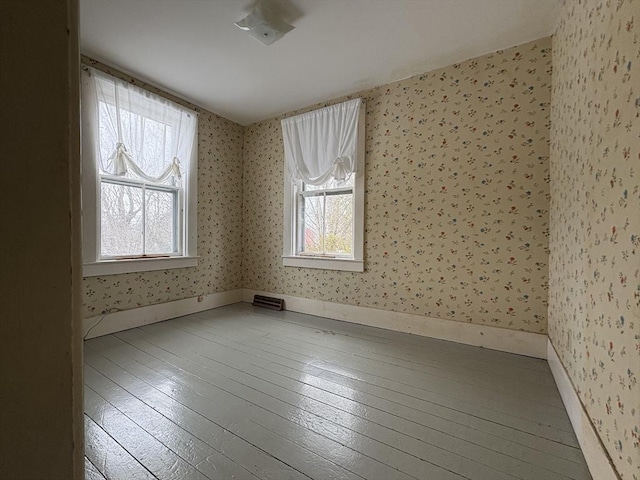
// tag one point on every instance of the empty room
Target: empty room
(321, 239)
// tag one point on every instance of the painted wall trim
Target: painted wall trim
(136, 317)
(595, 454)
(116, 267)
(512, 341)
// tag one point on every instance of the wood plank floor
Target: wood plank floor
(246, 393)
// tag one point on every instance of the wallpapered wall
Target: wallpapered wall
(219, 225)
(457, 197)
(594, 314)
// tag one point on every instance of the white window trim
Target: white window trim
(350, 264)
(93, 265)
(324, 263)
(114, 267)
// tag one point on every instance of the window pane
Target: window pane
(121, 216)
(159, 222)
(313, 219)
(338, 236)
(148, 141)
(156, 151)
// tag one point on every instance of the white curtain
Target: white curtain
(140, 134)
(322, 145)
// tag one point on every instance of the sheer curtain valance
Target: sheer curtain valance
(140, 135)
(322, 145)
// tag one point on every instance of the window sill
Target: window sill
(115, 267)
(348, 265)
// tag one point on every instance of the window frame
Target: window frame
(144, 186)
(94, 264)
(292, 190)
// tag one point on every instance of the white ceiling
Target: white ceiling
(192, 49)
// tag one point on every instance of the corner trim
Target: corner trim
(136, 317)
(505, 340)
(595, 454)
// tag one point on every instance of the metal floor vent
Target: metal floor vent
(268, 302)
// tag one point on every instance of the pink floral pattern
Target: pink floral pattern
(219, 225)
(457, 197)
(594, 313)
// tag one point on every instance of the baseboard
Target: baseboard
(512, 341)
(595, 454)
(136, 317)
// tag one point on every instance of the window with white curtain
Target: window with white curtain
(139, 178)
(324, 188)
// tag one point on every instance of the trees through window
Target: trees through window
(325, 221)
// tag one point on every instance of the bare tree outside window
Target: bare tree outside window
(326, 214)
(160, 222)
(121, 225)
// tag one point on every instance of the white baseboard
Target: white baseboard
(595, 454)
(136, 317)
(512, 341)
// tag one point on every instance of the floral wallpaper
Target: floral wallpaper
(457, 197)
(219, 225)
(468, 208)
(594, 311)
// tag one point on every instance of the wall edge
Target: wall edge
(595, 454)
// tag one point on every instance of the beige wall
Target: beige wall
(40, 338)
(457, 201)
(594, 312)
(219, 225)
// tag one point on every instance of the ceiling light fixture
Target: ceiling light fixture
(263, 25)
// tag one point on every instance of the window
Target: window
(325, 219)
(139, 179)
(324, 188)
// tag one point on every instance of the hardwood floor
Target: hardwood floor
(244, 393)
